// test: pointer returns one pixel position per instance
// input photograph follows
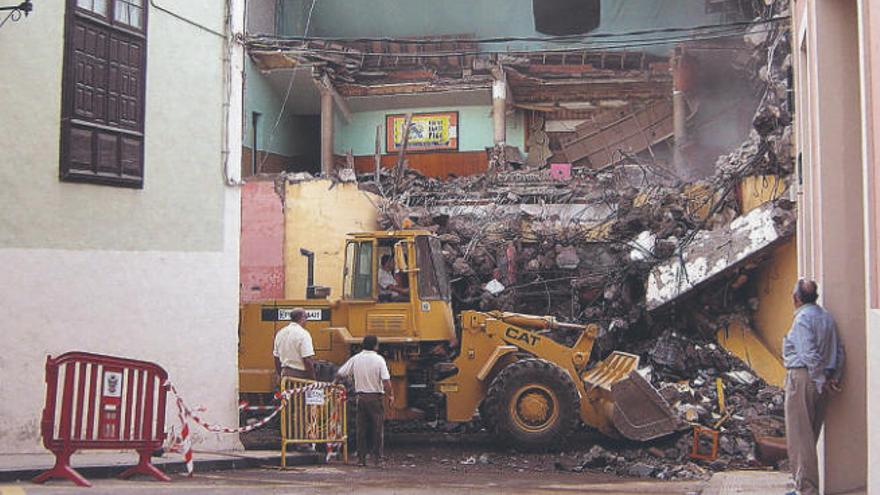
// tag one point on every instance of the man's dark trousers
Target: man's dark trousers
(371, 424)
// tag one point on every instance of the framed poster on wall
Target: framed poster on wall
(429, 132)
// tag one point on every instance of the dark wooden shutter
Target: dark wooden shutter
(102, 125)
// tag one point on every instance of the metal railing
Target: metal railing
(315, 414)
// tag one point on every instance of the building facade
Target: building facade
(837, 79)
(119, 230)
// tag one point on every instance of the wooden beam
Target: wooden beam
(401, 155)
(325, 85)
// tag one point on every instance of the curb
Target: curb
(232, 463)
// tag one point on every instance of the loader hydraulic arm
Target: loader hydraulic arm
(529, 334)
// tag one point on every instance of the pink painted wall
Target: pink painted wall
(829, 58)
(262, 242)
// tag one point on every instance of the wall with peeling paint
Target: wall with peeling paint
(262, 242)
(150, 274)
(317, 216)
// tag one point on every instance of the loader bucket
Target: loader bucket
(640, 413)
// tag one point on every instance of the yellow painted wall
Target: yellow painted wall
(773, 284)
(318, 218)
(744, 343)
(758, 189)
(760, 345)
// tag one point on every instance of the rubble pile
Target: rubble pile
(581, 248)
(711, 388)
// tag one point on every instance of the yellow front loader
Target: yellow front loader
(529, 389)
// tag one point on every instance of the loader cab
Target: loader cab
(408, 297)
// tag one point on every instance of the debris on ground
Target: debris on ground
(659, 263)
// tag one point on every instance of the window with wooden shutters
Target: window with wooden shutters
(102, 124)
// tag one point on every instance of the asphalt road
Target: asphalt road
(340, 478)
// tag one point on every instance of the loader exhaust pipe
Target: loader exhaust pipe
(313, 291)
(310, 282)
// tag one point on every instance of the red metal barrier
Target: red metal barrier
(103, 402)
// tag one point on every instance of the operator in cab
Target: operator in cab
(390, 288)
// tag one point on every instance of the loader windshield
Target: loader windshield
(433, 282)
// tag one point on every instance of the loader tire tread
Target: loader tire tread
(512, 378)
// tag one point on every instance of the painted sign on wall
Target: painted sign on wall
(428, 132)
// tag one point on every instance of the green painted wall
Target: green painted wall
(260, 96)
(474, 129)
(483, 18)
(181, 206)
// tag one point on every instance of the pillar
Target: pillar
(499, 110)
(326, 132)
(682, 77)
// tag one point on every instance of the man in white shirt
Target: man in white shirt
(293, 349)
(372, 384)
(389, 289)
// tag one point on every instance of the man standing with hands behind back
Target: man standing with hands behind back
(372, 384)
(813, 356)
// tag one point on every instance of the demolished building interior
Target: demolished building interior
(618, 210)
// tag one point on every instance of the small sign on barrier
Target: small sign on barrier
(315, 397)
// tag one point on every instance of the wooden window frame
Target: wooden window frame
(74, 17)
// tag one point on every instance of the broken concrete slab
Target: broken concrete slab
(713, 253)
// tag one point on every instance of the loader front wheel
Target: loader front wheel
(533, 404)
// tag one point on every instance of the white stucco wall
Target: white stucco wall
(150, 274)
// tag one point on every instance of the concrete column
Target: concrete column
(679, 120)
(834, 195)
(326, 132)
(499, 110)
(682, 77)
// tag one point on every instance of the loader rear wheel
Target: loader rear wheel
(532, 404)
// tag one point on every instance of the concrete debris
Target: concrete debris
(346, 175)
(659, 264)
(743, 377)
(495, 287)
(718, 251)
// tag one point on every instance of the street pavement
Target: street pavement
(340, 478)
